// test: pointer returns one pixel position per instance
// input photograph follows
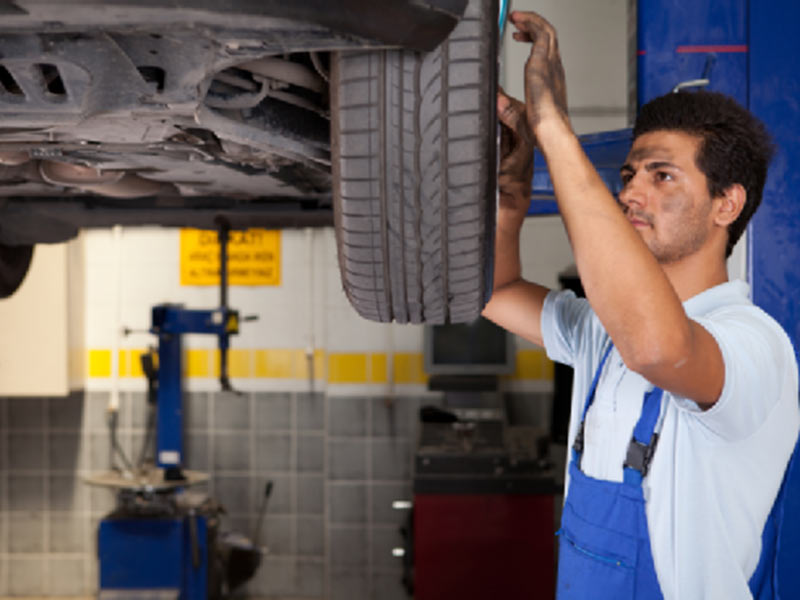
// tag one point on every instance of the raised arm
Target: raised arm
(625, 285)
(516, 304)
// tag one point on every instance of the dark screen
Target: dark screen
(478, 343)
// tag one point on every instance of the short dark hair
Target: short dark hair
(735, 147)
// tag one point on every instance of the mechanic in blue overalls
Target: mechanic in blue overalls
(685, 404)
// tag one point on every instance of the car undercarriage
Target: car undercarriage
(267, 115)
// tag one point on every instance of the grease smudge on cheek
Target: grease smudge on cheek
(673, 203)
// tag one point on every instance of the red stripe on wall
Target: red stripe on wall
(711, 48)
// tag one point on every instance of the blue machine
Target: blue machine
(161, 541)
(750, 51)
(157, 555)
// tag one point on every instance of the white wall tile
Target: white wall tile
(545, 250)
(99, 325)
(150, 245)
(100, 279)
(347, 332)
(98, 246)
(407, 338)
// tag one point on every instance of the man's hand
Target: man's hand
(545, 84)
(516, 156)
(515, 304)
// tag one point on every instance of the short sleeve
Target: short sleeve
(564, 320)
(760, 368)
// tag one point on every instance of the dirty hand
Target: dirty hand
(545, 85)
(516, 154)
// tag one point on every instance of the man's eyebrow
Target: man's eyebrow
(651, 166)
(661, 164)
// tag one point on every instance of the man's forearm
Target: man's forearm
(507, 264)
(516, 304)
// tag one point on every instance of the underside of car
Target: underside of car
(269, 115)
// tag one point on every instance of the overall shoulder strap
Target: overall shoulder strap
(644, 440)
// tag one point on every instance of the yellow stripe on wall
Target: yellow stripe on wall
(293, 363)
(135, 364)
(130, 362)
(275, 364)
(533, 364)
(197, 362)
(409, 367)
(317, 364)
(347, 368)
(530, 364)
(378, 373)
(240, 362)
(99, 363)
(549, 369)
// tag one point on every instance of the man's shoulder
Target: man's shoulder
(571, 330)
(729, 307)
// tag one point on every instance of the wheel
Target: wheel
(414, 169)
(14, 264)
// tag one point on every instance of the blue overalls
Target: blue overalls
(604, 545)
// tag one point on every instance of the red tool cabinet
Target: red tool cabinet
(471, 546)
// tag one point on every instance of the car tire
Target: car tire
(14, 264)
(414, 145)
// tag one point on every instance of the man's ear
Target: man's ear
(730, 204)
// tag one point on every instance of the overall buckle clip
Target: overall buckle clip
(639, 455)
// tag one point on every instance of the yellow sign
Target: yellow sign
(254, 257)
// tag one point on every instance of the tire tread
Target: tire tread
(414, 226)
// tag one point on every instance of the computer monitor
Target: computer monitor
(477, 348)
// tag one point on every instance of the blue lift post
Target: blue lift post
(773, 65)
(751, 51)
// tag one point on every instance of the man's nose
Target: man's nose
(632, 194)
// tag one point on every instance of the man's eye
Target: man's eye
(663, 176)
(626, 177)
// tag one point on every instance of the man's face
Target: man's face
(665, 195)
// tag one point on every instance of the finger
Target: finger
(537, 27)
(531, 22)
(521, 36)
(509, 111)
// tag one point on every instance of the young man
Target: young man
(685, 402)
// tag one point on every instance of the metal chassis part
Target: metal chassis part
(404, 23)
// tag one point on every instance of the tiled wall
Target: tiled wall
(46, 513)
(336, 463)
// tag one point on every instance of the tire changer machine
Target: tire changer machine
(163, 541)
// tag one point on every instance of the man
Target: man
(685, 407)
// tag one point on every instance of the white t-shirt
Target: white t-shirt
(715, 474)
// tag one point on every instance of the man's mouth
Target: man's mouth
(639, 221)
